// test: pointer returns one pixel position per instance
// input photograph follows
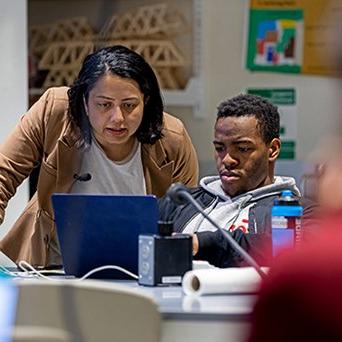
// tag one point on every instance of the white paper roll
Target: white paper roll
(221, 281)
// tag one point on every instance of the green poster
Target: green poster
(285, 100)
(275, 41)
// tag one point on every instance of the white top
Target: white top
(108, 177)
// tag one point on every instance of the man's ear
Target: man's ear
(274, 149)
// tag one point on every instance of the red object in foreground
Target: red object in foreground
(301, 300)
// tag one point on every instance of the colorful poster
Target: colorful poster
(295, 36)
(285, 100)
(275, 40)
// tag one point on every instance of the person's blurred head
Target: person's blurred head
(246, 143)
(116, 79)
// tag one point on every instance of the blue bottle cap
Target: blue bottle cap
(286, 193)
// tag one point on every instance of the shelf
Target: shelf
(191, 96)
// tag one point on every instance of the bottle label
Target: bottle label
(298, 231)
(282, 239)
(279, 222)
(286, 233)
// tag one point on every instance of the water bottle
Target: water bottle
(286, 222)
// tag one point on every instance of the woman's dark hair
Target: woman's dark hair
(252, 105)
(123, 62)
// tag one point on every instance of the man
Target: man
(240, 198)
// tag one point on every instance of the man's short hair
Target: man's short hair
(251, 105)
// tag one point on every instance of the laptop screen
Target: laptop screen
(98, 230)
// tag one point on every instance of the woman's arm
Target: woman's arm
(23, 149)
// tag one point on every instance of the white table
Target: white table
(207, 318)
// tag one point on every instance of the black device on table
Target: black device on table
(164, 258)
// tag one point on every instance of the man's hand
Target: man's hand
(194, 244)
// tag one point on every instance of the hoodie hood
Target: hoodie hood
(212, 184)
(233, 213)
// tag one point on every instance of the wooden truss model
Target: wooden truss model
(159, 53)
(73, 29)
(63, 46)
(63, 60)
(157, 20)
(162, 55)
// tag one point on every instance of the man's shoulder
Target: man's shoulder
(310, 208)
(269, 200)
(265, 205)
(197, 193)
(307, 202)
(202, 196)
(266, 201)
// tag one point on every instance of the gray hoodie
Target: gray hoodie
(232, 213)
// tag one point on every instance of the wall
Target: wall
(13, 87)
(223, 45)
(225, 76)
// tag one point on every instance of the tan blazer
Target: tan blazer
(46, 135)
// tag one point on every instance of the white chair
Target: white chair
(88, 311)
(35, 334)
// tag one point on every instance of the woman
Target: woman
(106, 134)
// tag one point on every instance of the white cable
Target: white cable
(29, 269)
(109, 267)
(17, 274)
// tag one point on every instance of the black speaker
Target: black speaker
(163, 260)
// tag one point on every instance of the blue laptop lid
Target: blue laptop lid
(98, 230)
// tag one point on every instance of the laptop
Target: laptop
(97, 230)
